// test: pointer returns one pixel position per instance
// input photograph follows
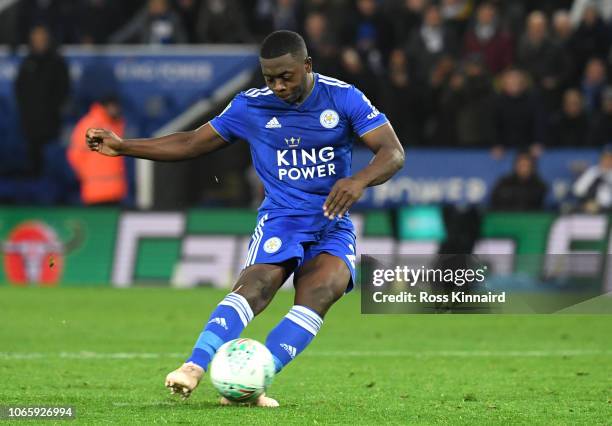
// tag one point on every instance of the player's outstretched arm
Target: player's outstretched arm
(173, 147)
(388, 159)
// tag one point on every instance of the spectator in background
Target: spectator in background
(518, 116)
(550, 6)
(430, 42)
(562, 27)
(604, 7)
(521, 190)
(222, 21)
(489, 40)
(439, 127)
(322, 6)
(542, 59)
(456, 14)
(440, 75)
(407, 18)
(41, 89)
(262, 20)
(322, 45)
(569, 126)
(355, 71)
(368, 30)
(594, 187)
(590, 39)
(334, 12)
(563, 37)
(274, 15)
(600, 132)
(188, 11)
(157, 23)
(285, 15)
(593, 83)
(103, 179)
(404, 100)
(466, 107)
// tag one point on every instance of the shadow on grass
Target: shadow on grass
(191, 405)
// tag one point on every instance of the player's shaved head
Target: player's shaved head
(286, 66)
(280, 43)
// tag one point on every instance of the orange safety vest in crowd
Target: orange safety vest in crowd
(102, 178)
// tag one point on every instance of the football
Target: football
(242, 369)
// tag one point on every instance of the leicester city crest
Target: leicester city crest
(272, 245)
(329, 119)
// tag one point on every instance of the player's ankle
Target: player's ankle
(194, 368)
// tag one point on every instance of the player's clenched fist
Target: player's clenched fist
(103, 141)
(343, 195)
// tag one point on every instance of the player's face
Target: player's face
(286, 76)
(524, 167)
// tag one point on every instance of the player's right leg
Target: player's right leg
(253, 291)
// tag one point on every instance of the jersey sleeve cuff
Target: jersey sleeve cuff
(226, 139)
(369, 129)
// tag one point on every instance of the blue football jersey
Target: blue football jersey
(300, 151)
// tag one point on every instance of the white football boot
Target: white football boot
(184, 379)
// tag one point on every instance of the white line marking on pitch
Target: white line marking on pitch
(466, 354)
(143, 404)
(325, 354)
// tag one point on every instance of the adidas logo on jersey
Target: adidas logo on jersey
(220, 321)
(273, 124)
(290, 349)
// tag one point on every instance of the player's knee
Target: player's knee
(321, 296)
(258, 292)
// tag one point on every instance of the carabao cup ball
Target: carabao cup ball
(242, 369)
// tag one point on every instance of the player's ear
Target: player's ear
(308, 64)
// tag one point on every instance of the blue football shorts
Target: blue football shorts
(281, 235)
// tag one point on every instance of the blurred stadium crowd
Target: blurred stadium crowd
(521, 74)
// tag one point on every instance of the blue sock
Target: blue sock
(225, 323)
(293, 334)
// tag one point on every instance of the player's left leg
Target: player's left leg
(254, 290)
(319, 283)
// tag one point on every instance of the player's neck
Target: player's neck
(309, 87)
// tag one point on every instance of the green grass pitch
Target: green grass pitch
(106, 352)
